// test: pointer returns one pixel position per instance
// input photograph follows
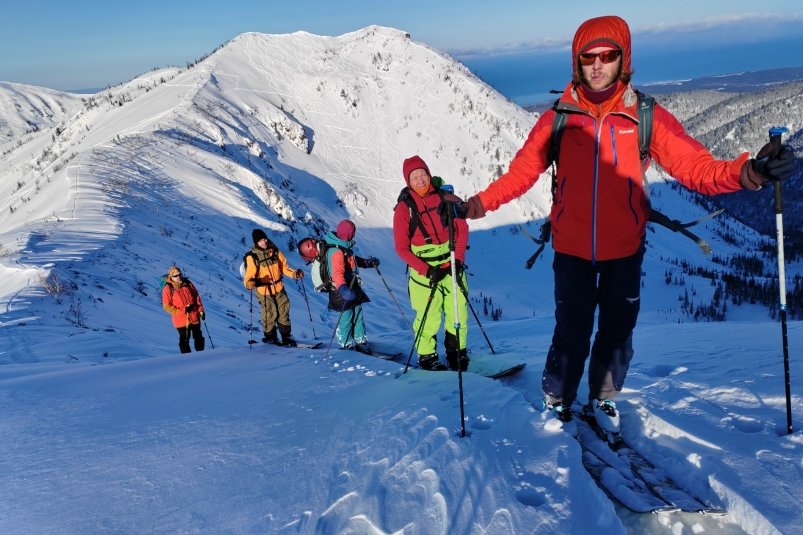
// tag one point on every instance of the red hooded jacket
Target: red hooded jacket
(601, 207)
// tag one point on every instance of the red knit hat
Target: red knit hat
(411, 164)
(346, 230)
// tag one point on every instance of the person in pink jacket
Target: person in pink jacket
(181, 300)
(600, 210)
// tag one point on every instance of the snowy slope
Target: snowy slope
(292, 133)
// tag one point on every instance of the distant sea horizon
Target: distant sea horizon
(527, 78)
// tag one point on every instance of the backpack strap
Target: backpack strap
(646, 103)
(558, 123)
(254, 258)
(676, 226)
(415, 216)
(326, 250)
(645, 106)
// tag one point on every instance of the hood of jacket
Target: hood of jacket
(332, 239)
(600, 31)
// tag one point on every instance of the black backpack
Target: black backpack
(415, 217)
(645, 106)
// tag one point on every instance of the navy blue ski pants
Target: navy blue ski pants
(582, 286)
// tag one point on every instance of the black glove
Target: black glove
(258, 283)
(299, 274)
(346, 293)
(771, 163)
(436, 274)
(202, 314)
(782, 166)
(371, 262)
(453, 206)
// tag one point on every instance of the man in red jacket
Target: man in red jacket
(601, 208)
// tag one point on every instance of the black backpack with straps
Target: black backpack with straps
(415, 216)
(645, 107)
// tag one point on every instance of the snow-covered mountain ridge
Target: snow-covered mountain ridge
(290, 133)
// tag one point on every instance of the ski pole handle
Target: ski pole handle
(776, 133)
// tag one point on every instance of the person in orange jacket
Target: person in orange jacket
(265, 265)
(600, 210)
(182, 301)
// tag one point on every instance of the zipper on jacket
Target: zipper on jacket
(597, 135)
(630, 192)
(613, 145)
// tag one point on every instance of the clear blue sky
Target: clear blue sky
(91, 43)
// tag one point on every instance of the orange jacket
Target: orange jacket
(272, 265)
(182, 301)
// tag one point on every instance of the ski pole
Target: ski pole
(456, 320)
(471, 307)
(211, 343)
(775, 134)
(304, 292)
(393, 297)
(251, 340)
(421, 326)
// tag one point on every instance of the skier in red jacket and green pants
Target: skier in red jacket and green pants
(422, 240)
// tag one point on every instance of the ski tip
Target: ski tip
(713, 511)
(665, 509)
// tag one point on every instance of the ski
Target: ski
(507, 372)
(300, 344)
(307, 345)
(663, 486)
(630, 492)
(494, 366)
(632, 467)
(386, 355)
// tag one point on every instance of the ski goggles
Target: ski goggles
(606, 56)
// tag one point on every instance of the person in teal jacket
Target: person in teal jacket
(346, 295)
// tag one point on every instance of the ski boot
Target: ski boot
(606, 420)
(269, 337)
(364, 348)
(455, 357)
(431, 363)
(561, 411)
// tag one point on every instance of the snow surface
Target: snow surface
(106, 429)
